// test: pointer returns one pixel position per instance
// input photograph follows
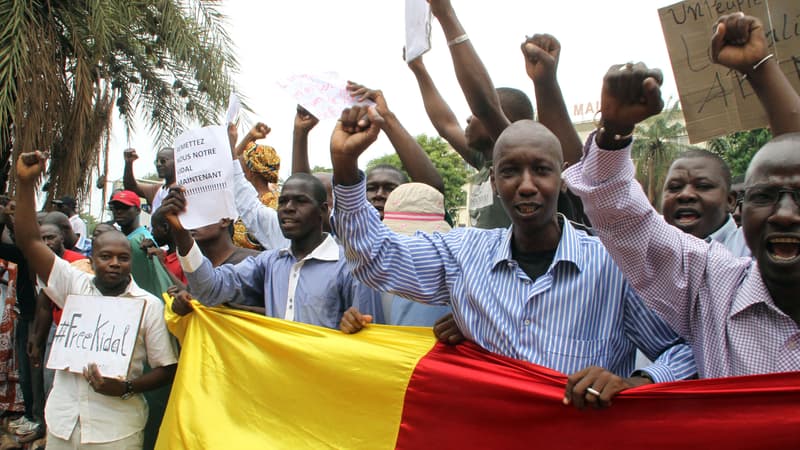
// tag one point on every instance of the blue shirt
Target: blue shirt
(581, 312)
(322, 291)
(406, 312)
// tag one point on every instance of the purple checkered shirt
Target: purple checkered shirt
(716, 301)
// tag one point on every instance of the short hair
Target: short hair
(515, 103)
(702, 153)
(318, 192)
(53, 226)
(403, 177)
(97, 243)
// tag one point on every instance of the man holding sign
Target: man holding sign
(89, 408)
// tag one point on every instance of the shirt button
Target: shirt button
(792, 345)
(527, 322)
(510, 265)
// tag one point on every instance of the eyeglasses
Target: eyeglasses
(769, 195)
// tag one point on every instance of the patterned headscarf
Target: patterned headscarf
(263, 160)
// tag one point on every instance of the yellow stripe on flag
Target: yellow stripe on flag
(313, 388)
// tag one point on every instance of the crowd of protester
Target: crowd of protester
(565, 264)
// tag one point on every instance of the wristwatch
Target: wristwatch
(128, 391)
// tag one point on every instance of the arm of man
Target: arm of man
(441, 116)
(740, 42)
(243, 283)
(471, 73)
(43, 318)
(304, 122)
(129, 182)
(416, 162)
(30, 167)
(410, 266)
(542, 52)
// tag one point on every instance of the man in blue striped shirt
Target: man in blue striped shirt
(540, 291)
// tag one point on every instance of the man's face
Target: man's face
(124, 215)
(772, 230)
(52, 237)
(326, 180)
(299, 214)
(165, 164)
(476, 135)
(738, 190)
(527, 178)
(111, 259)
(381, 183)
(211, 232)
(696, 199)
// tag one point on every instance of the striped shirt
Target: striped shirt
(716, 301)
(580, 313)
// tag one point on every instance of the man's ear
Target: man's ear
(491, 180)
(731, 199)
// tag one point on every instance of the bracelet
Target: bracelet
(617, 137)
(759, 64)
(458, 40)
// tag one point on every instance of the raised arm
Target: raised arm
(441, 116)
(30, 167)
(739, 42)
(416, 162)
(541, 54)
(471, 73)
(129, 182)
(304, 122)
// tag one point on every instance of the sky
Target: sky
(363, 40)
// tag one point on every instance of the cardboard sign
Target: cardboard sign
(323, 95)
(715, 100)
(418, 28)
(203, 166)
(100, 330)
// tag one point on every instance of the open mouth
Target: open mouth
(526, 209)
(686, 216)
(783, 249)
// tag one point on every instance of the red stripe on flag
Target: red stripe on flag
(463, 397)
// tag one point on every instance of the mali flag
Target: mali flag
(251, 382)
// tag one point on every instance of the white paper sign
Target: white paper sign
(323, 95)
(234, 106)
(203, 166)
(418, 28)
(100, 330)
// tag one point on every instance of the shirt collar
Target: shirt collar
(568, 249)
(752, 292)
(724, 232)
(328, 250)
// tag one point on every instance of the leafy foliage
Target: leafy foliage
(66, 65)
(452, 168)
(658, 140)
(737, 149)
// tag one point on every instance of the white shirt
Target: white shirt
(79, 227)
(159, 197)
(260, 220)
(104, 418)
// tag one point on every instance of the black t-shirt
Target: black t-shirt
(534, 264)
(26, 299)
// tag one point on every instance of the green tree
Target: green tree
(318, 169)
(449, 164)
(658, 140)
(737, 149)
(66, 66)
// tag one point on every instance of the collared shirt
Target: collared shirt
(104, 418)
(581, 312)
(316, 290)
(716, 301)
(260, 220)
(732, 237)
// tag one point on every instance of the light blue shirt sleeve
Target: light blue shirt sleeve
(413, 267)
(242, 283)
(260, 220)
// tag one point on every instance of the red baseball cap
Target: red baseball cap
(126, 198)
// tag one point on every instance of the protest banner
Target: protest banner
(203, 166)
(396, 387)
(716, 100)
(323, 95)
(100, 330)
(418, 28)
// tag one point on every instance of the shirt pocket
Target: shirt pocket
(568, 355)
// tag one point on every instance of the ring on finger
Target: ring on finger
(593, 391)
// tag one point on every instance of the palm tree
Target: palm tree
(67, 65)
(658, 140)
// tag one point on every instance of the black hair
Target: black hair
(515, 103)
(702, 153)
(390, 168)
(318, 192)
